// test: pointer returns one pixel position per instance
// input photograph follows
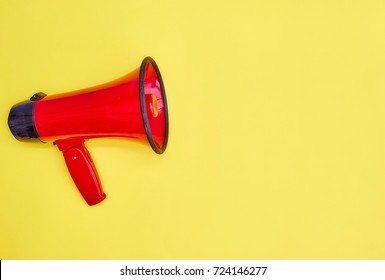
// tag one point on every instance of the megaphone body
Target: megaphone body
(133, 107)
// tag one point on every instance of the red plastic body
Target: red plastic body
(133, 106)
(108, 110)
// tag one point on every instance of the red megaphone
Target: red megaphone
(133, 106)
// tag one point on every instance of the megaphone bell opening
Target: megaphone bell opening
(153, 105)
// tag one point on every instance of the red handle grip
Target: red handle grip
(82, 169)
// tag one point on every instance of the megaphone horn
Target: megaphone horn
(133, 106)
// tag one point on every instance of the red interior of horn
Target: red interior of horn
(155, 108)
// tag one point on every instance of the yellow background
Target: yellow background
(277, 130)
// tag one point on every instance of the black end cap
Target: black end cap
(21, 122)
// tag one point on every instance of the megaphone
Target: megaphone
(133, 107)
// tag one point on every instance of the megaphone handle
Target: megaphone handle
(82, 169)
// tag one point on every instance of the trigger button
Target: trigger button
(38, 96)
